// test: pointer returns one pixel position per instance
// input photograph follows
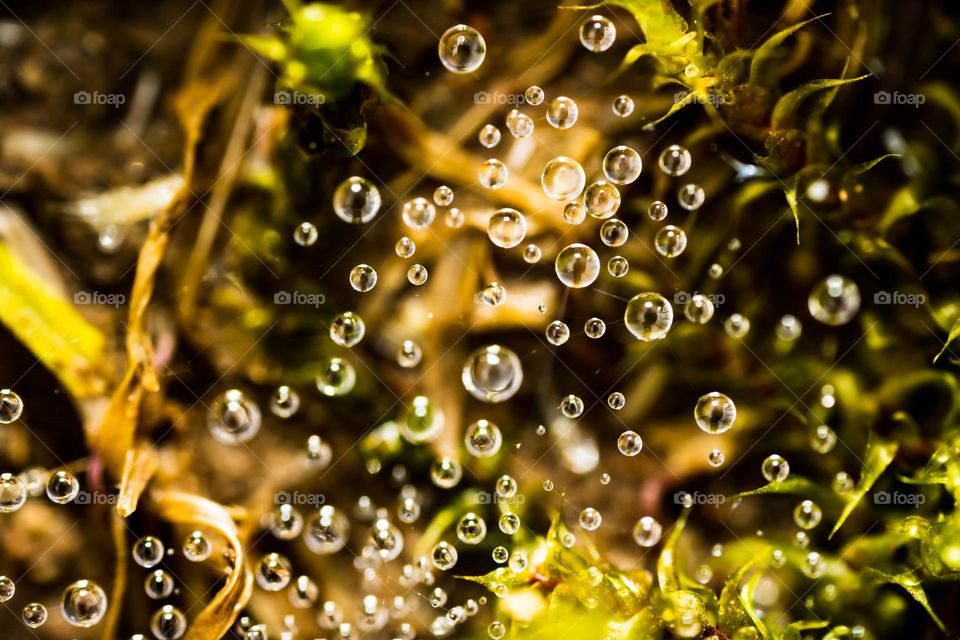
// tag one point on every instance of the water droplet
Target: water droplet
(842, 483)
(500, 555)
(647, 531)
(715, 271)
(506, 486)
(594, 328)
(657, 211)
(834, 301)
(446, 473)
(518, 561)
(148, 552)
(548, 485)
(305, 234)
(273, 572)
(557, 333)
(630, 443)
(158, 585)
(471, 529)
(616, 401)
(823, 439)
(622, 165)
(303, 593)
(614, 233)
(507, 228)
(509, 523)
(715, 458)
(789, 328)
(648, 316)
(386, 539)
(574, 212)
(577, 266)
(489, 136)
(493, 174)
(422, 422)
(533, 95)
(602, 199)
(813, 565)
(7, 588)
(604, 478)
(405, 247)
(493, 295)
(233, 418)
(417, 275)
(356, 200)
(327, 531)
(618, 266)
(34, 615)
(11, 406)
(483, 439)
(675, 160)
(454, 218)
(443, 196)
(715, 413)
(62, 487)
(699, 309)
(286, 523)
(443, 556)
(418, 213)
(775, 468)
(670, 241)
(563, 178)
(597, 33)
(807, 514)
(562, 113)
(168, 623)
(736, 326)
(363, 278)
(691, 197)
(409, 354)
(520, 125)
(347, 329)
(532, 254)
(196, 547)
(284, 402)
(409, 511)
(492, 373)
(83, 603)
(622, 106)
(336, 377)
(590, 519)
(571, 406)
(496, 630)
(462, 49)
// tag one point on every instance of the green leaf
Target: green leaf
(863, 167)
(954, 332)
(746, 601)
(789, 103)
(51, 327)
(792, 632)
(667, 575)
(879, 455)
(911, 583)
(793, 485)
(731, 614)
(765, 51)
(792, 200)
